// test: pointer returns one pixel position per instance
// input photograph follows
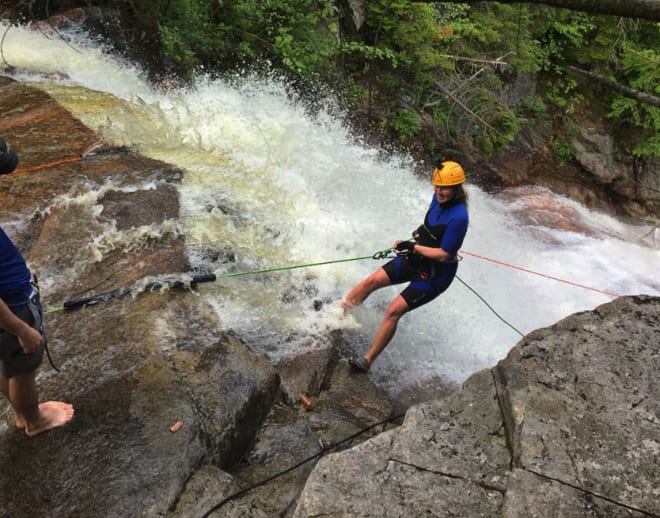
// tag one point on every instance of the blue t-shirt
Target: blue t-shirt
(14, 273)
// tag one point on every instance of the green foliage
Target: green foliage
(303, 34)
(642, 68)
(297, 35)
(559, 36)
(409, 31)
(499, 30)
(436, 59)
(500, 125)
(367, 54)
(532, 108)
(621, 49)
(563, 93)
(415, 36)
(184, 30)
(562, 149)
(406, 124)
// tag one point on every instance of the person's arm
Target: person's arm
(28, 337)
(437, 254)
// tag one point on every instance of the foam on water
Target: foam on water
(268, 185)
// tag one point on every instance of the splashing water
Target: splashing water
(267, 185)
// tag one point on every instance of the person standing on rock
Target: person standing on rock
(22, 335)
(428, 263)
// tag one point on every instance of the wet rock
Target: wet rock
(595, 153)
(135, 364)
(577, 399)
(118, 453)
(355, 393)
(466, 431)
(531, 495)
(284, 452)
(354, 14)
(304, 373)
(648, 181)
(206, 489)
(234, 390)
(604, 175)
(566, 425)
(364, 482)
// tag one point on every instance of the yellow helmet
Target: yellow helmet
(450, 173)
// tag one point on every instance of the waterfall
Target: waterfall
(267, 184)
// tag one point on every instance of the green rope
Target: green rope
(382, 254)
(292, 267)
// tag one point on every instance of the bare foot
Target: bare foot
(51, 415)
(20, 422)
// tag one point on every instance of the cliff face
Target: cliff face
(567, 425)
(603, 175)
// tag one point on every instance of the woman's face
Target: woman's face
(444, 194)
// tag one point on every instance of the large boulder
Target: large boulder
(567, 425)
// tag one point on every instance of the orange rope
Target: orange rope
(45, 166)
(540, 274)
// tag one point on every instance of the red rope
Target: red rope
(45, 166)
(540, 274)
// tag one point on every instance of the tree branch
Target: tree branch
(465, 107)
(645, 9)
(626, 91)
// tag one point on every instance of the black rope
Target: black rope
(150, 287)
(489, 306)
(288, 470)
(52, 363)
(117, 150)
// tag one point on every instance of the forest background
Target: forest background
(437, 79)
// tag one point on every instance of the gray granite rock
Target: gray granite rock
(566, 425)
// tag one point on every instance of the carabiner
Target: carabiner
(382, 254)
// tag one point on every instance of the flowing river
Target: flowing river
(267, 185)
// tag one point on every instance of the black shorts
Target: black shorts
(13, 360)
(422, 288)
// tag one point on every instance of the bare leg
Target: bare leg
(4, 388)
(35, 417)
(364, 288)
(397, 308)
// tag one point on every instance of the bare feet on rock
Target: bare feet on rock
(51, 415)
